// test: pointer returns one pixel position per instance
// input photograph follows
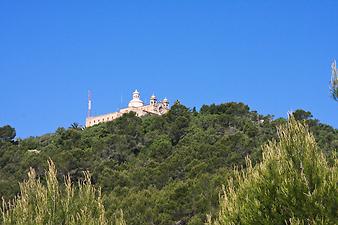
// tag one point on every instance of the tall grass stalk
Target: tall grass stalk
(54, 204)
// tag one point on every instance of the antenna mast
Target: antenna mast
(89, 113)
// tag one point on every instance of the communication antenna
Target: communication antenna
(89, 113)
(334, 72)
(121, 100)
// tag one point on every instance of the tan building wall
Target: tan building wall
(155, 108)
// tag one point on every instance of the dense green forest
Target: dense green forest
(161, 170)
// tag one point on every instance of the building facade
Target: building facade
(136, 105)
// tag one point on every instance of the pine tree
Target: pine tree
(294, 184)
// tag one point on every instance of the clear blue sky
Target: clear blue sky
(272, 55)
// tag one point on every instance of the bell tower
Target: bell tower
(165, 103)
(153, 100)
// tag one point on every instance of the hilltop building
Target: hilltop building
(135, 105)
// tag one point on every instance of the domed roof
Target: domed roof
(136, 103)
(136, 92)
(153, 97)
(165, 100)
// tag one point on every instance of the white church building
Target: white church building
(135, 105)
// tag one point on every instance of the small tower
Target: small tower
(136, 101)
(136, 94)
(153, 100)
(165, 103)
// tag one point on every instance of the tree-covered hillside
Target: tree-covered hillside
(159, 170)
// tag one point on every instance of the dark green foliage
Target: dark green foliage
(232, 108)
(300, 115)
(158, 170)
(7, 133)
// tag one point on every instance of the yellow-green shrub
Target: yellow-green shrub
(54, 204)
